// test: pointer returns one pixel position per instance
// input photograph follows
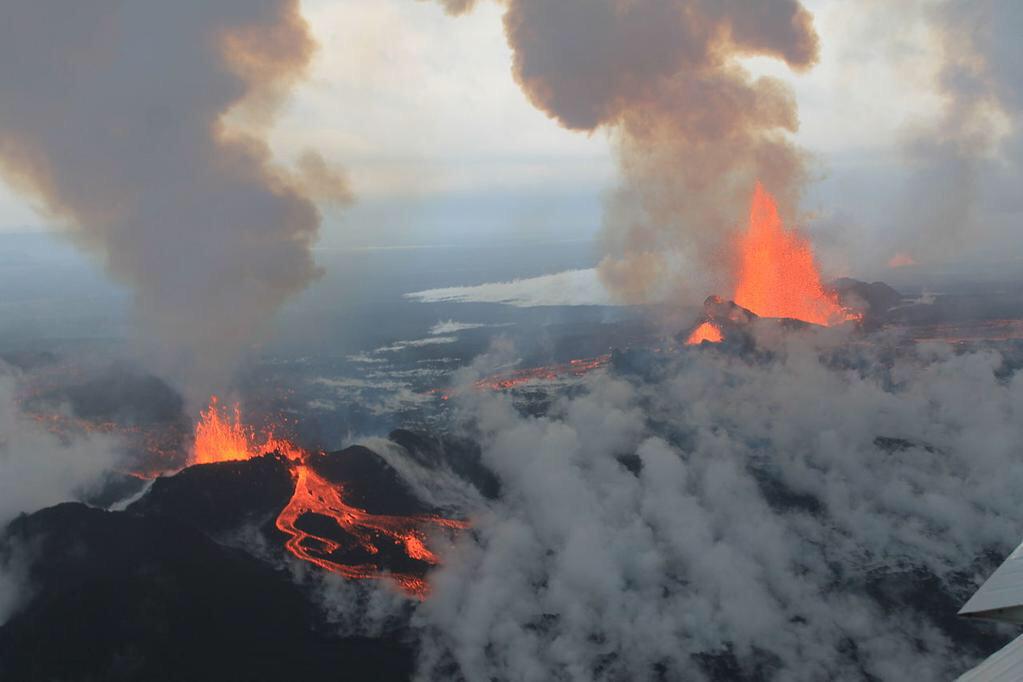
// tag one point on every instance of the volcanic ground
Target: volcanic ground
(192, 577)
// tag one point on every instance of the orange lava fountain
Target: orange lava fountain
(226, 439)
(220, 438)
(778, 276)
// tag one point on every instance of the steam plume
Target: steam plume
(967, 165)
(112, 116)
(694, 130)
(820, 515)
(38, 469)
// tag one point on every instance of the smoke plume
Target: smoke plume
(819, 515)
(112, 116)
(694, 130)
(967, 165)
(456, 7)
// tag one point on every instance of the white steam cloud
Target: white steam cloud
(764, 506)
(39, 469)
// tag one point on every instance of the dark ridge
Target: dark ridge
(221, 497)
(369, 482)
(121, 596)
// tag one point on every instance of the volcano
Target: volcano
(190, 580)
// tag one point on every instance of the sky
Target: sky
(441, 145)
(423, 112)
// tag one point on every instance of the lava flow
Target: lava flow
(778, 276)
(221, 439)
(512, 379)
(316, 495)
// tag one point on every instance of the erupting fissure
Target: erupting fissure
(778, 276)
(220, 438)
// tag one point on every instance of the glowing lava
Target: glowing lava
(220, 438)
(778, 276)
(316, 495)
(226, 439)
(708, 331)
(515, 378)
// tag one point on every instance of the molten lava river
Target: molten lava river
(221, 439)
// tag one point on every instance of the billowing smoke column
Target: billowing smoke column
(967, 165)
(112, 116)
(694, 129)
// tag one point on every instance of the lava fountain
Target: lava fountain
(224, 437)
(220, 438)
(778, 276)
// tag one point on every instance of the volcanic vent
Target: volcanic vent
(777, 277)
(380, 533)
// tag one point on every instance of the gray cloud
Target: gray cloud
(967, 166)
(112, 116)
(776, 500)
